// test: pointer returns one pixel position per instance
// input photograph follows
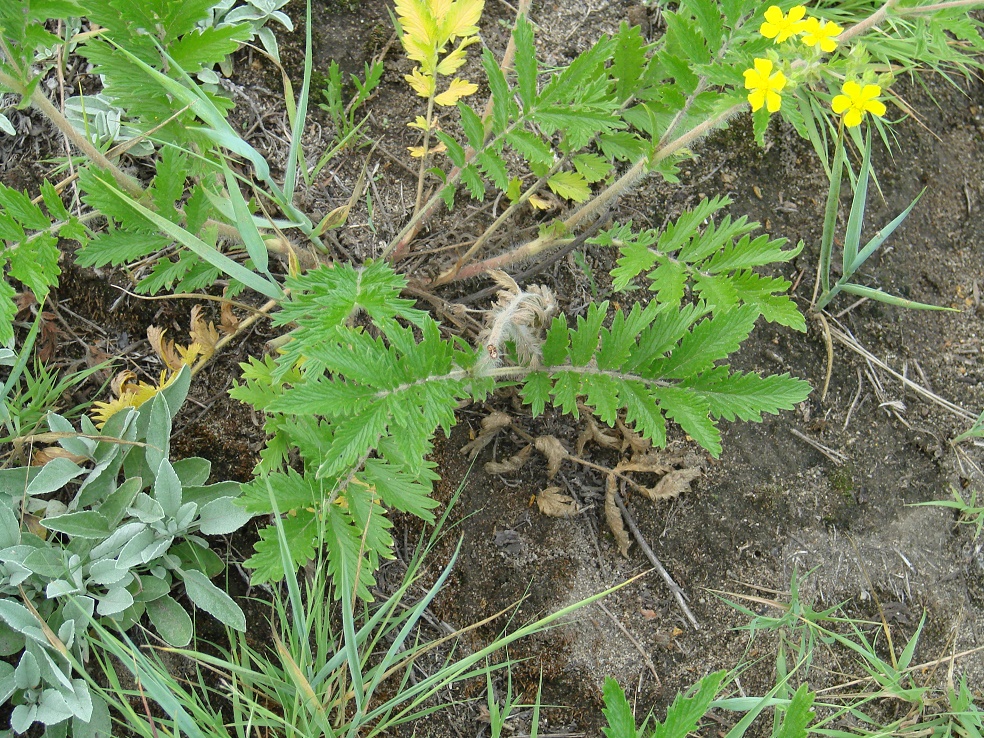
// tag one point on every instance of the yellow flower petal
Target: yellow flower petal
(853, 118)
(840, 103)
(773, 101)
(875, 107)
(781, 27)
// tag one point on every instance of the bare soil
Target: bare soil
(772, 504)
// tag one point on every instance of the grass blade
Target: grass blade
(209, 253)
(852, 236)
(875, 294)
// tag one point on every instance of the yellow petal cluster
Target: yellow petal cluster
(821, 33)
(781, 27)
(856, 101)
(814, 32)
(132, 393)
(764, 85)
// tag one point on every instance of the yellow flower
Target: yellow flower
(779, 26)
(129, 394)
(764, 86)
(856, 101)
(820, 32)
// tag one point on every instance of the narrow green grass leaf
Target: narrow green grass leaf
(213, 256)
(852, 236)
(875, 294)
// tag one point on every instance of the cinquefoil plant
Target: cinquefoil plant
(76, 542)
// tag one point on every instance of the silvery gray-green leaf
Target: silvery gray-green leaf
(170, 621)
(53, 476)
(213, 600)
(222, 516)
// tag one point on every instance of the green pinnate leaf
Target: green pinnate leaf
(602, 393)
(119, 247)
(473, 181)
(526, 66)
(712, 339)
(747, 252)
(557, 342)
(494, 168)
(669, 280)
(531, 147)
(623, 146)
(536, 392)
(53, 201)
(592, 167)
(204, 48)
(692, 413)
(19, 206)
(584, 339)
(570, 186)
(301, 534)
(767, 295)
(629, 60)
(471, 122)
(346, 550)
(399, 490)
(716, 290)
(683, 716)
(618, 712)
(642, 412)
(745, 396)
(503, 107)
(35, 264)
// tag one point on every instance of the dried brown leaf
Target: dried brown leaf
(557, 505)
(491, 426)
(228, 322)
(510, 465)
(163, 348)
(593, 433)
(614, 517)
(203, 333)
(632, 440)
(553, 449)
(43, 455)
(121, 380)
(672, 484)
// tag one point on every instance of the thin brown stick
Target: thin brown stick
(678, 593)
(635, 641)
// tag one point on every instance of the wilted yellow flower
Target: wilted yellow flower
(779, 26)
(821, 32)
(856, 101)
(764, 86)
(129, 394)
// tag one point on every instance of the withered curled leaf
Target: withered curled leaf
(672, 484)
(228, 322)
(491, 426)
(613, 516)
(164, 349)
(593, 433)
(511, 465)
(556, 504)
(203, 333)
(553, 449)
